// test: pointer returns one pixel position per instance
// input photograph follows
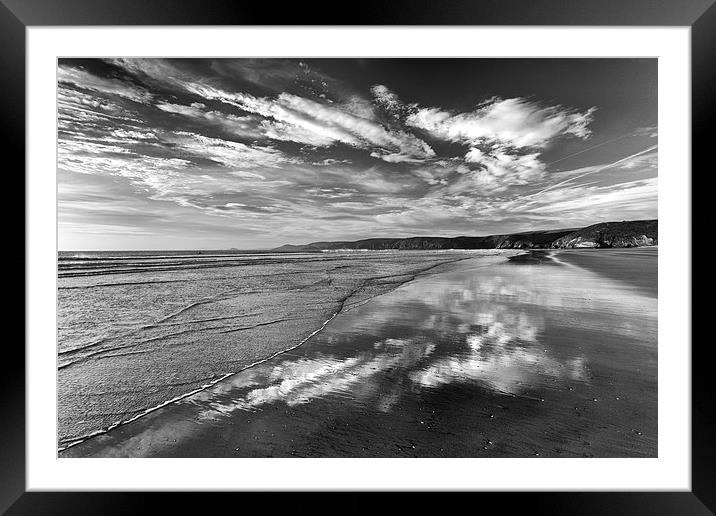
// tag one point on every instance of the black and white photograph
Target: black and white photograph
(357, 257)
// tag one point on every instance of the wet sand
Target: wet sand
(133, 341)
(548, 357)
(637, 267)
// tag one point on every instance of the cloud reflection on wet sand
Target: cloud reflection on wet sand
(521, 333)
(300, 381)
(486, 331)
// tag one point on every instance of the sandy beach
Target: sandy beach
(550, 356)
(165, 327)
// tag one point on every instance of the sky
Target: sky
(257, 153)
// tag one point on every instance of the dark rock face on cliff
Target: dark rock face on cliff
(608, 234)
(612, 234)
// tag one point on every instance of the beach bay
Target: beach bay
(139, 330)
(473, 354)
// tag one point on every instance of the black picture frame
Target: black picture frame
(17, 15)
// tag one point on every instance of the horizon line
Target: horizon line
(265, 249)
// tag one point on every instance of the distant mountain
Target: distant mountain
(607, 234)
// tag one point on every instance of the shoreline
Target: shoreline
(343, 307)
(196, 391)
(297, 402)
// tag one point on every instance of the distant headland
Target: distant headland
(635, 233)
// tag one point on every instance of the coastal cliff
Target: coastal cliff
(611, 234)
(607, 234)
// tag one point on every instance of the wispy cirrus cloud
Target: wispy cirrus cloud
(230, 154)
(242, 126)
(290, 117)
(107, 86)
(322, 124)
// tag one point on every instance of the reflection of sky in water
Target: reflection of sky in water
(482, 326)
(299, 381)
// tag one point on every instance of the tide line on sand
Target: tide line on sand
(203, 387)
(197, 390)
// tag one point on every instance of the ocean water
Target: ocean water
(137, 330)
